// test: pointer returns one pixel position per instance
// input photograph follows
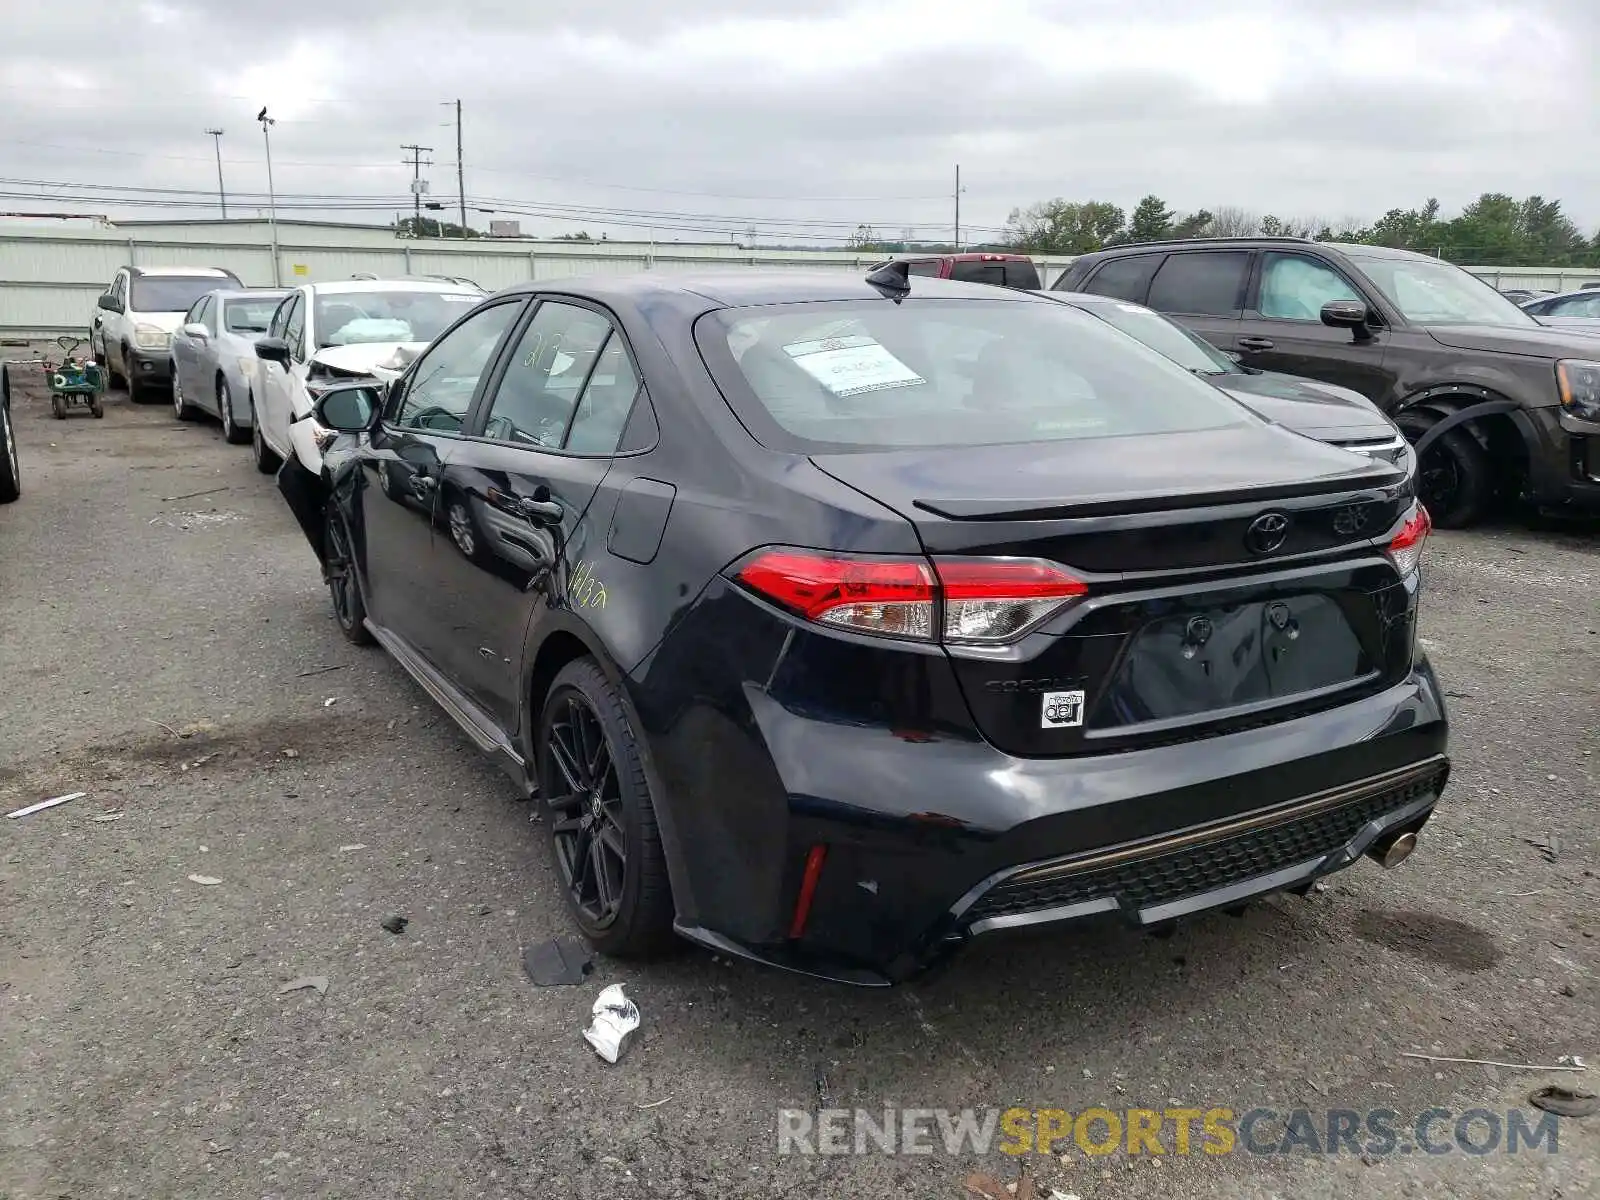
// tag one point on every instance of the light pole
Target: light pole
(272, 196)
(222, 192)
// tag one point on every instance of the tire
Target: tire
(181, 408)
(266, 461)
(231, 433)
(1455, 479)
(58, 408)
(344, 585)
(631, 914)
(97, 408)
(10, 471)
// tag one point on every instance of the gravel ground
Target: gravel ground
(162, 622)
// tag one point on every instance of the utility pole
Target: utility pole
(461, 173)
(222, 192)
(416, 185)
(272, 196)
(958, 208)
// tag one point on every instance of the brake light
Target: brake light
(983, 601)
(995, 599)
(1405, 551)
(890, 596)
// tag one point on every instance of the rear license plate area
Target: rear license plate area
(1202, 660)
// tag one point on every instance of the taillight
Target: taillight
(995, 599)
(982, 601)
(1405, 551)
(888, 596)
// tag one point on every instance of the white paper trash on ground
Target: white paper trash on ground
(615, 1018)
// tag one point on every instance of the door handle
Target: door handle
(423, 485)
(1255, 343)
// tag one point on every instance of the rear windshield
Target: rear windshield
(1188, 350)
(249, 316)
(171, 293)
(871, 374)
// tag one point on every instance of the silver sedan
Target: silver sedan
(213, 357)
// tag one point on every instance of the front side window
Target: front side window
(1203, 282)
(294, 327)
(396, 315)
(197, 314)
(438, 391)
(546, 375)
(862, 375)
(1294, 287)
(170, 293)
(1433, 292)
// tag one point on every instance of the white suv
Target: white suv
(324, 332)
(135, 320)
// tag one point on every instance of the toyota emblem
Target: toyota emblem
(1266, 533)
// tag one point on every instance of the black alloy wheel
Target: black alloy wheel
(343, 587)
(603, 834)
(587, 820)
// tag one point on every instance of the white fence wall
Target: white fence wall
(50, 277)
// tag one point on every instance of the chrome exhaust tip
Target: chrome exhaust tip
(1391, 852)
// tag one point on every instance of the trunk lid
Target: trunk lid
(1244, 587)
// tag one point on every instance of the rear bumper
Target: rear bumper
(933, 841)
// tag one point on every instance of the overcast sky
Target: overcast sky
(806, 118)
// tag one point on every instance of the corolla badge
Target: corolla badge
(1266, 533)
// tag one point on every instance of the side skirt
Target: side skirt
(474, 722)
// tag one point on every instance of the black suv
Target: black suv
(1498, 406)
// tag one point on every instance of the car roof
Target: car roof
(752, 286)
(1087, 298)
(339, 287)
(250, 293)
(1541, 296)
(186, 272)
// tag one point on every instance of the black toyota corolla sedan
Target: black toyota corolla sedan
(834, 621)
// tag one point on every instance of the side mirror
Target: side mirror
(197, 331)
(348, 408)
(109, 302)
(1345, 314)
(273, 350)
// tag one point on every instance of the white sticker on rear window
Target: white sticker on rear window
(848, 366)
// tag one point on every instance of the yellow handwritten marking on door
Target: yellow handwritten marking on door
(585, 590)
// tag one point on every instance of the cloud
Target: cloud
(806, 119)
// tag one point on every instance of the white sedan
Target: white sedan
(325, 332)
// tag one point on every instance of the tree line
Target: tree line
(1494, 230)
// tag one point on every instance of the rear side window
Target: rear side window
(926, 266)
(863, 375)
(1125, 278)
(1205, 282)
